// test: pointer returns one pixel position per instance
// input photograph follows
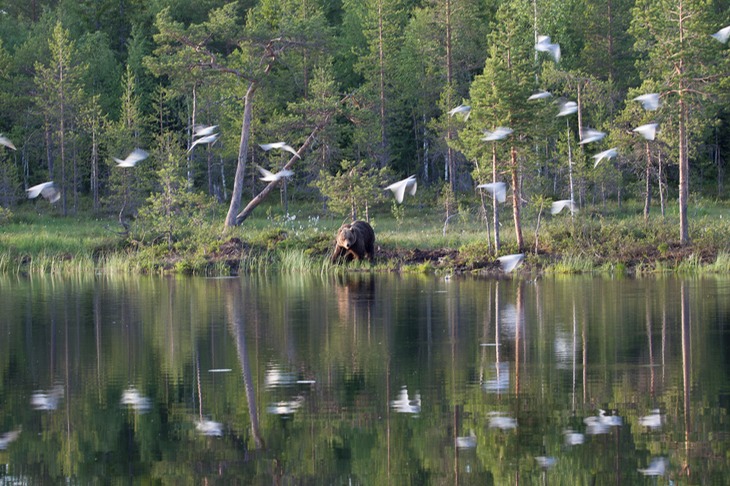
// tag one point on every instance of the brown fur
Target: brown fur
(354, 241)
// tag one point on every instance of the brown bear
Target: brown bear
(354, 241)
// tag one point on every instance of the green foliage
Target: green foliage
(5, 215)
(353, 189)
(172, 212)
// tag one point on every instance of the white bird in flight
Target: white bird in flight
(206, 140)
(279, 145)
(399, 188)
(591, 135)
(657, 467)
(269, 176)
(649, 101)
(647, 131)
(8, 437)
(461, 109)
(540, 95)
(496, 189)
(558, 206)
(567, 108)
(47, 189)
(499, 133)
(204, 130)
(544, 45)
(6, 141)
(606, 154)
(722, 35)
(510, 262)
(135, 156)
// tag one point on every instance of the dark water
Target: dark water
(364, 380)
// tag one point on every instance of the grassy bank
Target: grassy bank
(598, 239)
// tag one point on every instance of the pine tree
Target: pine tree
(60, 98)
(498, 98)
(678, 53)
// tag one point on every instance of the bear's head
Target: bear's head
(346, 237)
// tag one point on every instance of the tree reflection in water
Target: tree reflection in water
(363, 378)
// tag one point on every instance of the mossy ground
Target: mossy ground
(604, 239)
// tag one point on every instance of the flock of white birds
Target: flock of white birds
(498, 190)
(207, 135)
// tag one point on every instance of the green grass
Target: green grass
(604, 239)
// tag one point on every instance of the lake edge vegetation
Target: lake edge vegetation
(500, 113)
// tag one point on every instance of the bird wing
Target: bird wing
(722, 35)
(51, 193)
(411, 185)
(290, 149)
(540, 95)
(591, 135)
(461, 109)
(6, 141)
(137, 155)
(268, 176)
(558, 206)
(648, 131)
(398, 189)
(606, 154)
(649, 101)
(269, 146)
(568, 108)
(35, 191)
(499, 133)
(497, 189)
(510, 262)
(203, 130)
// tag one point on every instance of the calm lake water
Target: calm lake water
(364, 379)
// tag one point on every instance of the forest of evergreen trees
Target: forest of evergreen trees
(363, 85)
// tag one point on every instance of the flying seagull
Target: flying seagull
(544, 45)
(647, 131)
(399, 188)
(496, 189)
(510, 262)
(499, 133)
(567, 108)
(271, 177)
(461, 109)
(47, 189)
(649, 101)
(606, 154)
(540, 95)
(137, 155)
(279, 145)
(204, 130)
(591, 135)
(558, 206)
(208, 139)
(722, 35)
(6, 141)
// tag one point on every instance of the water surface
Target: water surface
(364, 379)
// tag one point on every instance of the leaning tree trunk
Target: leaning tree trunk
(231, 219)
(266, 190)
